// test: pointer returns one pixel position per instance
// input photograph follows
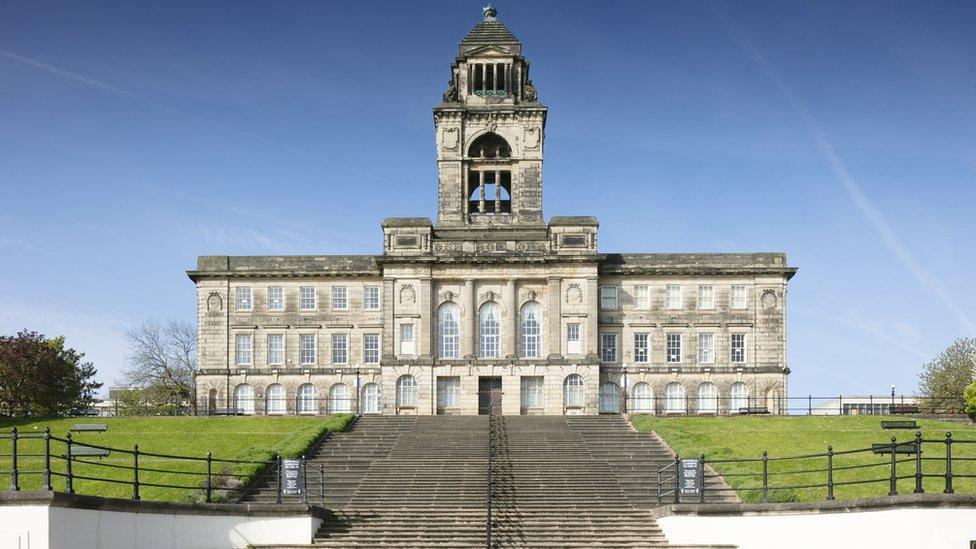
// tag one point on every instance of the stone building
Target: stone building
(491, 307)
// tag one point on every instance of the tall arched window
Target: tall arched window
(674, 395)
(643, 401)
(447, 330)
(274, 397)
(609, 398)
(307, 399)
(212, 401)
(406, 391)
(707, 398)
(244, 399)
(738, 397)
(371, 398)
(489, 317)
(573, 391)
(339, 398)
(529, 328)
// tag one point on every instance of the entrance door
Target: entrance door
(490, 396)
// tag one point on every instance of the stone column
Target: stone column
(389, 314)
(511, 303)
(470, 300)
(555, 317)
(426, 312)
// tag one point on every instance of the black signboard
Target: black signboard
(690, 477)
(292, 477)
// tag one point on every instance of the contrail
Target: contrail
(843, 175)
(57, 71)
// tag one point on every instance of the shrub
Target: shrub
(969, 396)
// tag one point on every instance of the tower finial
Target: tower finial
(490, 12)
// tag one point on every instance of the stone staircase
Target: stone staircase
(421, 481)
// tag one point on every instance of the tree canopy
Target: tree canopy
(943, 380)
(43, 377)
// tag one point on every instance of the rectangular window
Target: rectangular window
(706, 348)
(641, 345)
(608, 347)
(738, 348)
(242, 298)
(276, 299)
(371, 298)
(674, 347)
(340, 352)
(306, 349)
(573, 339)
(673, 296)
(642, 296)
(706, 297)
(608, 297)
(407, 346)
(739, 297)
(533, 392)
(448, 392)
(243, 354)
(371, 348)
(306, 298)
(276, 349)
(339, 300)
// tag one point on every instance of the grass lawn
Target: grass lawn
(235, 438)
(747, 437)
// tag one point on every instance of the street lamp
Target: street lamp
(892, 395)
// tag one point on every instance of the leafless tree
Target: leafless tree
(162, 359)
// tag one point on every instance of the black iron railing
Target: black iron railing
(86, 467)
(780, 478)
(725, 403)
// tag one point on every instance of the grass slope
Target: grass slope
(747, 437)
(235, 438)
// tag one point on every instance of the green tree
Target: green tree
(969, 397)
(944, 379)
(43, 377)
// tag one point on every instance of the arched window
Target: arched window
(488, 341)
(489, 145)
(643, 401)
(738, 397)
(529, 328)
(339, 398)
(707, 398)
(406, 391)
(573, 391)
(371, 398)
(274, 397)
(244, 399)
(212, 401)
(307, 399)
(674, 395)
(609, 398)
(447, 330)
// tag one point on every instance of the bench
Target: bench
(900, 448)
(92, 427)
(88, 451)
(903, 424)
(754, 410)
(904, 408)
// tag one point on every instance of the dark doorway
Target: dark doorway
(489, 396)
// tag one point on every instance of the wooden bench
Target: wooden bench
(904, 408)
(91, 427)
(896, 424)
(900, 448)
(79, 450)
(754, 410)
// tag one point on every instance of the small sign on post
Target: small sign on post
(690, 477)
(292, 473)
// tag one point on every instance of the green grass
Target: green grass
(748, 437)
(234, 438)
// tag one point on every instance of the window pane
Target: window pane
(306, 298)
(608, 297)
(673, 296)
(642, 296)
(641, 344)
(276, 301)
(339, 349)
(306, 349)
(339, 297)
(448, 331)
(706, 297)
(739, 297)
(488, 321)
(371, 348)
(242, 301)
(276, 349)
(371, 297)
(243, 350)
(706, 348)
(738, 348)
(530, 329)
(674, 347)
(608, 344)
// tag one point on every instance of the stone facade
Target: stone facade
(491, 305)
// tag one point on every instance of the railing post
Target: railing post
(69, 486)
(304, 480)
(677, 479)
(830, 473)
(701, 476)
(209, 477)
(840, 405)
(278, 467)
(893, 478)
(135, 471)
(47, 459)
(809, 405)
(322, 484)
(918, 463)
(765, 477)
(948, 473)
(14, 481)
(659, 486)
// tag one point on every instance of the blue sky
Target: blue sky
(134, 137)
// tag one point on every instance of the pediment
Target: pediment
(491, 50)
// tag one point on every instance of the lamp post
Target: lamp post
(892, 395)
